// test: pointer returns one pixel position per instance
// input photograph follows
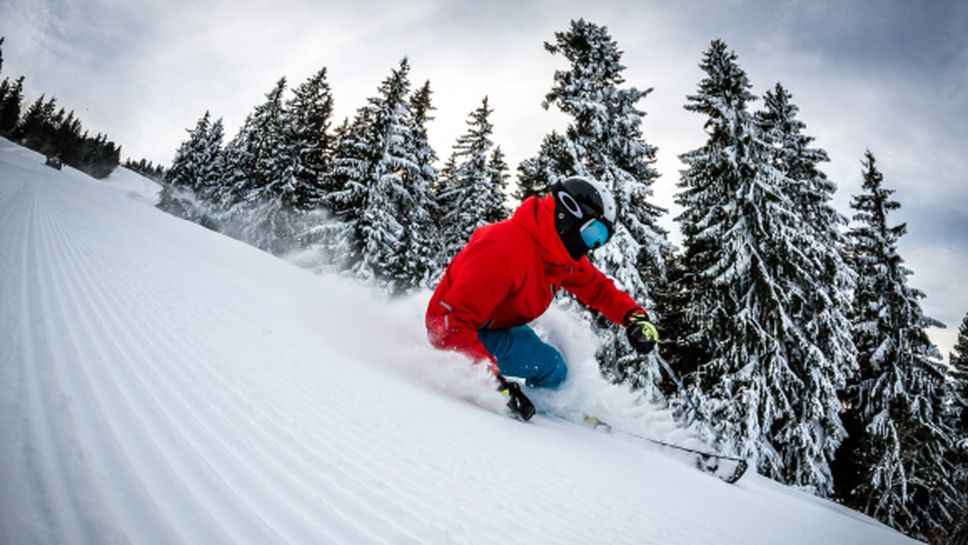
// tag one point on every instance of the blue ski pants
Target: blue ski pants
(520, 353)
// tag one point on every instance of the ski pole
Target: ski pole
(678, 381)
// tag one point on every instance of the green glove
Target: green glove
(641, 333)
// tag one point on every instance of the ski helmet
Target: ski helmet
(585, 214)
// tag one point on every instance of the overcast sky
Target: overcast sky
(891, 76)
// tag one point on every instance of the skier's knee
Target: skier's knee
(556, 371)
(557, 375)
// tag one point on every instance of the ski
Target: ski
(727, 468)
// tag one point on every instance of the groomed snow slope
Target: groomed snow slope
(160, 383)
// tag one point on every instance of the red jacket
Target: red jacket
(507, 276)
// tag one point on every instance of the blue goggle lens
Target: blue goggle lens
(594, 234)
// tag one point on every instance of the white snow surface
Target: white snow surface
(161, 383)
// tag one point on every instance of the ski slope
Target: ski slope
(160, 383)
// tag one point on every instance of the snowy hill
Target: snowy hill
(160, 383)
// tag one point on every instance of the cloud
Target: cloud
(945, 299)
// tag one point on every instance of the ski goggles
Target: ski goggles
(595, 233)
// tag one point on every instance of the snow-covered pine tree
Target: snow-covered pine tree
(897, 397)
(48, 132)
(536, 173)
(269, 143)
(958, 361)
(194, 172)
(256, 161)
(421, 241)
(181, 173)
(281, 218)
(372, 168)
(345, 192)
(306, 121)
(329, 182)
(56, 121)
(32, 123)
(605, 141)
(826, 357)
(325, 241)
(4, 89)
(744, 284)
(956, 411)
(465, 194)
(11, 106)
(143, 166)
(497, 177)
(211, 171)
(239, 163)
(260, 142)
(67, 140)
(443, 179)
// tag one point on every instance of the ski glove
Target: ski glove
(641, 333)
(518, 403)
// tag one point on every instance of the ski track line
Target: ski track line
(19, 471)
(8, 190)
(192, 519)
(8, 193)
(206, 479)
(55, 492)
(56, 386)
(271, 448)
(110, 470)
(234, 446)
(186, 416)
(12, 207)
(271, 437)
(119, 415)
(12, 225)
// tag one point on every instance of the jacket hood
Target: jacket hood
(537, 217)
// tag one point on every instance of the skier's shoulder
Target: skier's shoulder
(503, 234)
(502, 242)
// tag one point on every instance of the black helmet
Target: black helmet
(585, 214)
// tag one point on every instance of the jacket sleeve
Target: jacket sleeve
(483, 280)
(596, 290)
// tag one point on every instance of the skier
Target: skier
(507, 276)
